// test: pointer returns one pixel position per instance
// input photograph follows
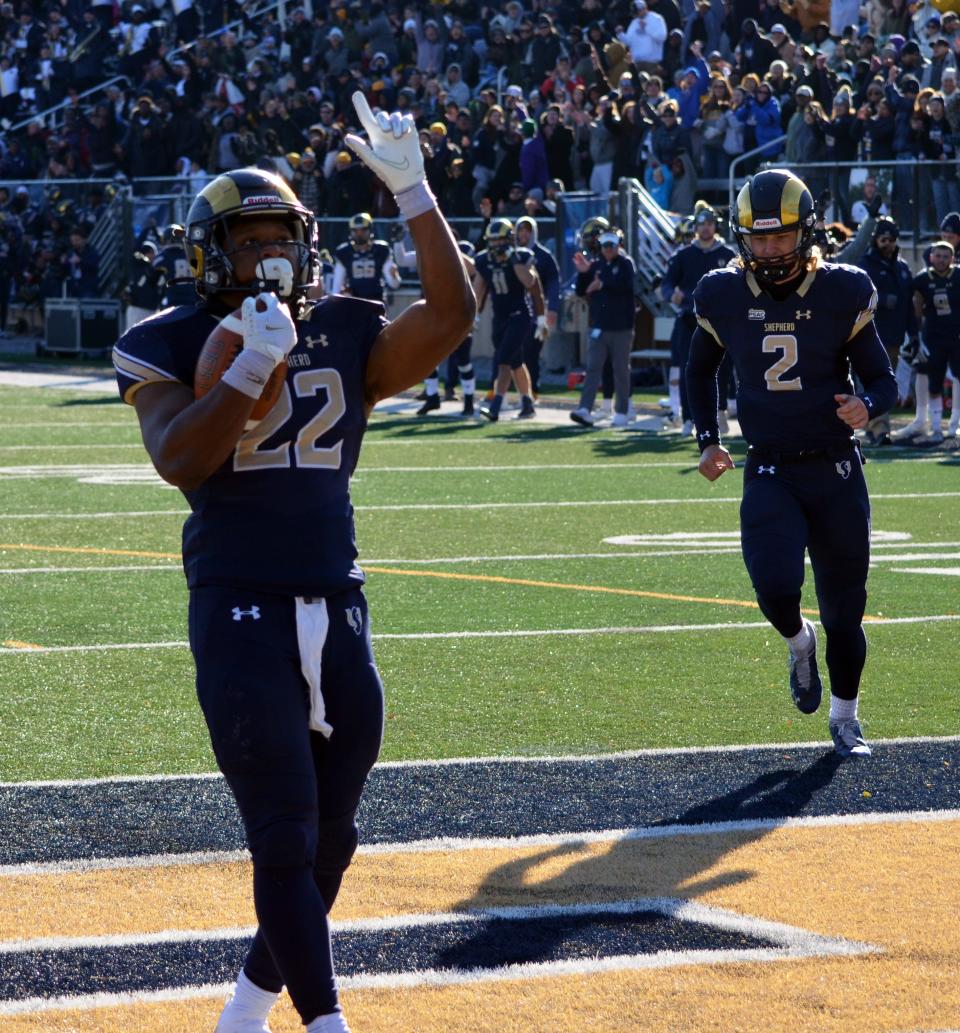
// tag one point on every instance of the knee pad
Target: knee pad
(336, 845)
(285, 843)
(337, 842)
(782, 610)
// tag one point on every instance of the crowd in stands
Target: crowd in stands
(514, 101)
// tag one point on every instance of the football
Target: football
(219, 350)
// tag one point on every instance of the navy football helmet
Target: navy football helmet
(361, 226)
(498, 237)
(771, 202)
(246, 194)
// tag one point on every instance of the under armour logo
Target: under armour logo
(355, 619)
(804, 315)
(253, 612)
(703, 437)
(843, 468)
(766, 469)
(321, 340)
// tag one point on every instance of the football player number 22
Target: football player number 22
(249, 454)
(787, 344)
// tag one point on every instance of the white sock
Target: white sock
(922, 393)
(432, 385)
(249, 1000)
(843, 709)
(332, 1023)
(936, 413)
(675, 391)
(804, 640)
(469, 385)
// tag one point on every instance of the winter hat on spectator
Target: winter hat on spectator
(803, 91)
(951, 223)
(410, 25)
(910, 84)
(528, 128)
(335, 32)
(513, 91)
(778, 28)
(910, 47)
(536, 193)
(439, 128)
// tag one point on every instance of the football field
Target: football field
(597, 807)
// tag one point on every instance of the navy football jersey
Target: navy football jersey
(793, 356)
(178, 280)
(277, 514)
(507, 294)
(364, 268)
(941, 303)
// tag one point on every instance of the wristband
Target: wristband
(415, 200)
(249, 372)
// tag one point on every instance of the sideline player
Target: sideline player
(278, 621)
(528, 235)
(459, 360)
(937, 303)
(508, 274)
(685, 269)
(364, 265)
(793, 326)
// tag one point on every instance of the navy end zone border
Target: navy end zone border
(56, 827)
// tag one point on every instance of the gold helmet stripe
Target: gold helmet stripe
(790, 202)
(222, 194)
(744, 208)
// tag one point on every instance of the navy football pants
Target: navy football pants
(296, 790)
(822, 506)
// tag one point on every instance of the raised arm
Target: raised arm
(414, 343)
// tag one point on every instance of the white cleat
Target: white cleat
(620, 419)
(914, 429)
(687, 429)
(582, 417)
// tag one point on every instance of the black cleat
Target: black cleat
(526, 409)
(430, 405)
(468, 405)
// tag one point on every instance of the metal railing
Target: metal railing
(52, 113)
(64, 104)
(649, 237)
(732, 181)
(110, 236)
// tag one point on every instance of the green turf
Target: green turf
(85, 713)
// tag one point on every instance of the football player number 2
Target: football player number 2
(251, 456)
(774, 376)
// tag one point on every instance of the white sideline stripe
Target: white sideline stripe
(95, 516)
(673, 907)
(460, 844)
(791, 943)
(89, 570)
(947, 571)
(69, 446)
(16, 425)
(570, 758)
(513, 633)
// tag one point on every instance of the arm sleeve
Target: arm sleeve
(870, 363)
(403, 257)
(391, 274)
(339, 277)
(705, 358)
(856, 247)
(550, 278)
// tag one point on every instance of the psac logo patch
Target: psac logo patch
(260, 199)
(756, 313)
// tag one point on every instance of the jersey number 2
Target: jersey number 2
(249, 454)
(786, 343)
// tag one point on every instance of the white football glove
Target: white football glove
(543, 331)
(271, 332)
(394, 148)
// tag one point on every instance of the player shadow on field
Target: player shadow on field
(672, 866)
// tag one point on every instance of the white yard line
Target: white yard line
(569, 758)
(651, 629)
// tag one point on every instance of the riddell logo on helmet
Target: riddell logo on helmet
(260, 199)
(766, 224)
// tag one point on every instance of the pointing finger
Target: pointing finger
(364, 113)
